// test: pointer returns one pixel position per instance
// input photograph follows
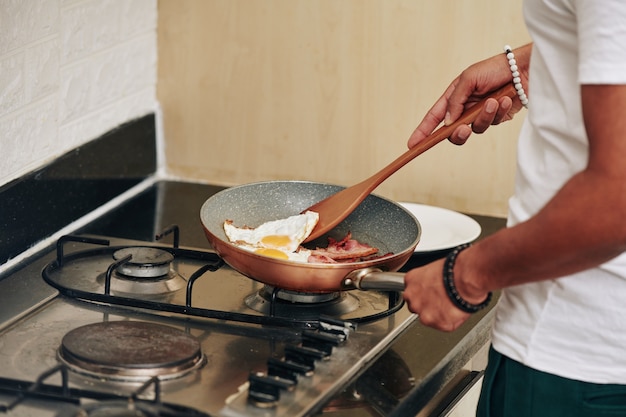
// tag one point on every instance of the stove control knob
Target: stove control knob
(321, 341)
(336, 327)
(264, 390)
(287, 370)
(304, 355)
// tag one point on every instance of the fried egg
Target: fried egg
(277, 238)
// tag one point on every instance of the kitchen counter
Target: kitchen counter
(420, 364)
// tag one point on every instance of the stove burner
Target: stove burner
(299, 297)
(145, 262)
(130, 351)
(148, 272)
(300, 304)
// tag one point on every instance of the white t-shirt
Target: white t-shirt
(575, 326)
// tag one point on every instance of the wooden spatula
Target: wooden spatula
(332, 210)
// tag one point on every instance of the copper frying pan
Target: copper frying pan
(377, 221)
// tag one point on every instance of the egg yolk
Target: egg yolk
(274, 253)
(276, 241)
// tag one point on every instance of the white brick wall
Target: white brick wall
(71, 70)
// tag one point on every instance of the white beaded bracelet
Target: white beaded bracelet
(517, 79)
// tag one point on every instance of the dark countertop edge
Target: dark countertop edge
(468, 340)
(447, 369)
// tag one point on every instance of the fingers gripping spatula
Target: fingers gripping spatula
(334, 209)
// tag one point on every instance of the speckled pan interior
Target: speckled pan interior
(377, 221)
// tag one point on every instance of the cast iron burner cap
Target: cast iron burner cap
(130, 351)
(301, 305)
(299, 297)
(145, 262)
(148, 272)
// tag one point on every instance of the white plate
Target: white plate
(442, 228)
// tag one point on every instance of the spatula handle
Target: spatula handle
(338, 206)
(438, 135)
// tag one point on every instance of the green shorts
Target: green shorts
(511, 389)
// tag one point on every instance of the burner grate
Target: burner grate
(212, 262)
(99, 404)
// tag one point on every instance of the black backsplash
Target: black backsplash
(39, 204)
(155, 209)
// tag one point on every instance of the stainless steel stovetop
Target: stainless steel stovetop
(238, 323)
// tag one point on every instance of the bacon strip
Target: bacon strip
(344, 250)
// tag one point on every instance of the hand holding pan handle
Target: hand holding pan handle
(374, 279)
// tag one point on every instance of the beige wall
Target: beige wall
(330, 90)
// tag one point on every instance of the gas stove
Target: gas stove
(113, 303)
(123, 327)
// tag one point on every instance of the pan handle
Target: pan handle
(374, 279)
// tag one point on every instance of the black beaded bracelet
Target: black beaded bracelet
(448, 283)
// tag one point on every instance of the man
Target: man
(559, 338)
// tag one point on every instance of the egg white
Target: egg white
(277, 238)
